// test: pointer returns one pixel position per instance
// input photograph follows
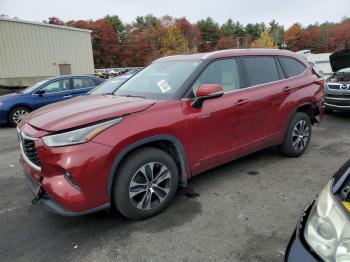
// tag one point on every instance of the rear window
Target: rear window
(83, 83)
(292, 66)
(261, 70)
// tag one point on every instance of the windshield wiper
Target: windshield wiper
(134, 96)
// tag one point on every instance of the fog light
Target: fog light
(71, 180)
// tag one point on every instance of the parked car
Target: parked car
(14, 106)
(109, 86)
(176, 118)
(323, 230)
(338, 85)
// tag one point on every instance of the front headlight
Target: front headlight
(78, 136)
(328, 229)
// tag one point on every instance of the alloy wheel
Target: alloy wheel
(18, 115)
(300, 135)
(149, 186)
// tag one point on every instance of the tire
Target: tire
(133, 187)
(296, 140)
(17, 114)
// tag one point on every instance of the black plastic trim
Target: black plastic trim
(179, 147)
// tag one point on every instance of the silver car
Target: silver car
(337, 90)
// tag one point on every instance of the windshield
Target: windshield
(31, 88)
(109, 86)
(159, 80)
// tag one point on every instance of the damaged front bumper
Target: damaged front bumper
(41, 197)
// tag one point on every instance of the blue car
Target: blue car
(13, 107)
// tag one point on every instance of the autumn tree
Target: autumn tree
(264, 41)
(55, 21)
(308, 38)
(191, 32)
(340, 37)
(104, 42)
(173, 42)
(292, 37)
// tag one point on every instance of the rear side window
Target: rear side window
(83, 83)
(292, 66)
(261, 70)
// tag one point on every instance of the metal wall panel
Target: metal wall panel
(36, 50)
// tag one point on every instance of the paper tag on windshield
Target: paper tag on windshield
(164, 86)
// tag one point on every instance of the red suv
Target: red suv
(176, 118)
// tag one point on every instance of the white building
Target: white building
(320, 61)
(30, 51)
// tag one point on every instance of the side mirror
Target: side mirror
(40, 92)
(207, 91)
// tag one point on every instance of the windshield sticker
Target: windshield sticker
(164, 86)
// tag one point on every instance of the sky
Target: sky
(245, 11)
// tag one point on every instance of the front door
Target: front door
(212, 129)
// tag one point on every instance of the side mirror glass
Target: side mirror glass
(205, 92)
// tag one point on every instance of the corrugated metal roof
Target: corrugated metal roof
(42, 24)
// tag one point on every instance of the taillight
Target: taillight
(320, 81)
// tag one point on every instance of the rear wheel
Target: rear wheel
(16, 115)
(298, 135)
(145, 184)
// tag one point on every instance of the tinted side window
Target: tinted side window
(222, 72)
(261, 70)
(83, 83)
(292, 66)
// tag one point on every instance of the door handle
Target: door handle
(68, 96)
(288, 89)
(241, 102)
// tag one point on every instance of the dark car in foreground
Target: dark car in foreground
(176, 118)
(337, 93)
(323, 231)
(14, 106)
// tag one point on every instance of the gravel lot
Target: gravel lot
(242, 211)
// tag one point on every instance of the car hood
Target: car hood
(85, 110)
(11, 95)
(340, 60)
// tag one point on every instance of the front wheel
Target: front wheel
(145, 184)
(16, 115)
(298, 135)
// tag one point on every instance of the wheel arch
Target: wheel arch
(167, 143)
(15, 106)
(308, 108)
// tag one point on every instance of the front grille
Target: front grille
(346, 96)
(334, 86)
(29, 150)
(28, 147)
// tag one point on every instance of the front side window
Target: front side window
(292, 66)
(222, 72)
(160, 80)
(261, 70)
(57, 86)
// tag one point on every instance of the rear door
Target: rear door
(82, 85)
(265, 90)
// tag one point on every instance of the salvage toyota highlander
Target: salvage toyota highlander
(176, 118)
